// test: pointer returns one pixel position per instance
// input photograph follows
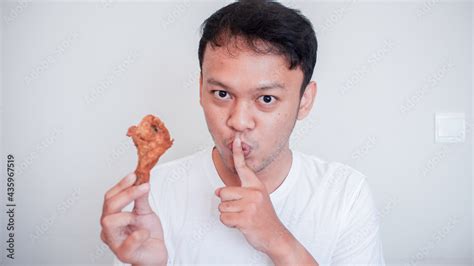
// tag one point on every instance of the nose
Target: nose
(241, 117)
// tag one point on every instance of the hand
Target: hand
(249, 208)
(135, 237)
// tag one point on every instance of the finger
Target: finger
(117, 220)
(217, 191)
(232, 193)
(230, 219)
(133, 242)
(142, 205)
(126, 182)
(113, 227)
(125, 197)
(247, 176)
(231, 206)
(102, 236)
(113, 246)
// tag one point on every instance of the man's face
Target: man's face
(254, 95)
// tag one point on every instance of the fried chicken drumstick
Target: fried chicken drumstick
(152, 139)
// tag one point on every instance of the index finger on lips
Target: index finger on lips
(245, 174)
(126, 182)
(238, 155)
(123, 198)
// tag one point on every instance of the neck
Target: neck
(271, 176)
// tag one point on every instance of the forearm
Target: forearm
(287, 250)
(160, 264)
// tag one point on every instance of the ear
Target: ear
(307, 100)
(200, 89)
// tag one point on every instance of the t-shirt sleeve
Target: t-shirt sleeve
(359, 241)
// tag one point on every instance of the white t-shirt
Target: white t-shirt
(327, 206)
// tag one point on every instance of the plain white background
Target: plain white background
(75, 76)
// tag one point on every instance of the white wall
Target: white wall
(472, 135)
(75, 76)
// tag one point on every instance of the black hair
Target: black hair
(284, 30)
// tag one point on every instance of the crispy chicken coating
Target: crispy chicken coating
(152, 139)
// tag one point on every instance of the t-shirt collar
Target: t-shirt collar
(277, 195)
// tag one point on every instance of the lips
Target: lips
(245, 148)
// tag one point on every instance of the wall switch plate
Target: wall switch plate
(450, 127)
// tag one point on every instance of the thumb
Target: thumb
(246, 175)
(142, 204)
(133, 242)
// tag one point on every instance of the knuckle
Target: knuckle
(107, 206)
(223, 191)
(107, 196)
(223, 218)
(226, 205)
(257, 196)
(105, 222)
(102, 222)
(102, 236)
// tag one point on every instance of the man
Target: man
(249, 199)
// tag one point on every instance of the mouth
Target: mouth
(245, 148)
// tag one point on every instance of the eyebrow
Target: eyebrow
(274, 85)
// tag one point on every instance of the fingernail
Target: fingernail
(237, 141)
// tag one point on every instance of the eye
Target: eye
(220, 94)
(267, 99)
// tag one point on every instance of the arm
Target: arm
(249, 209)
(287, 250)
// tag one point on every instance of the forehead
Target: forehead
(236, 62)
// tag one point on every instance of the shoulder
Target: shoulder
(340, 187)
